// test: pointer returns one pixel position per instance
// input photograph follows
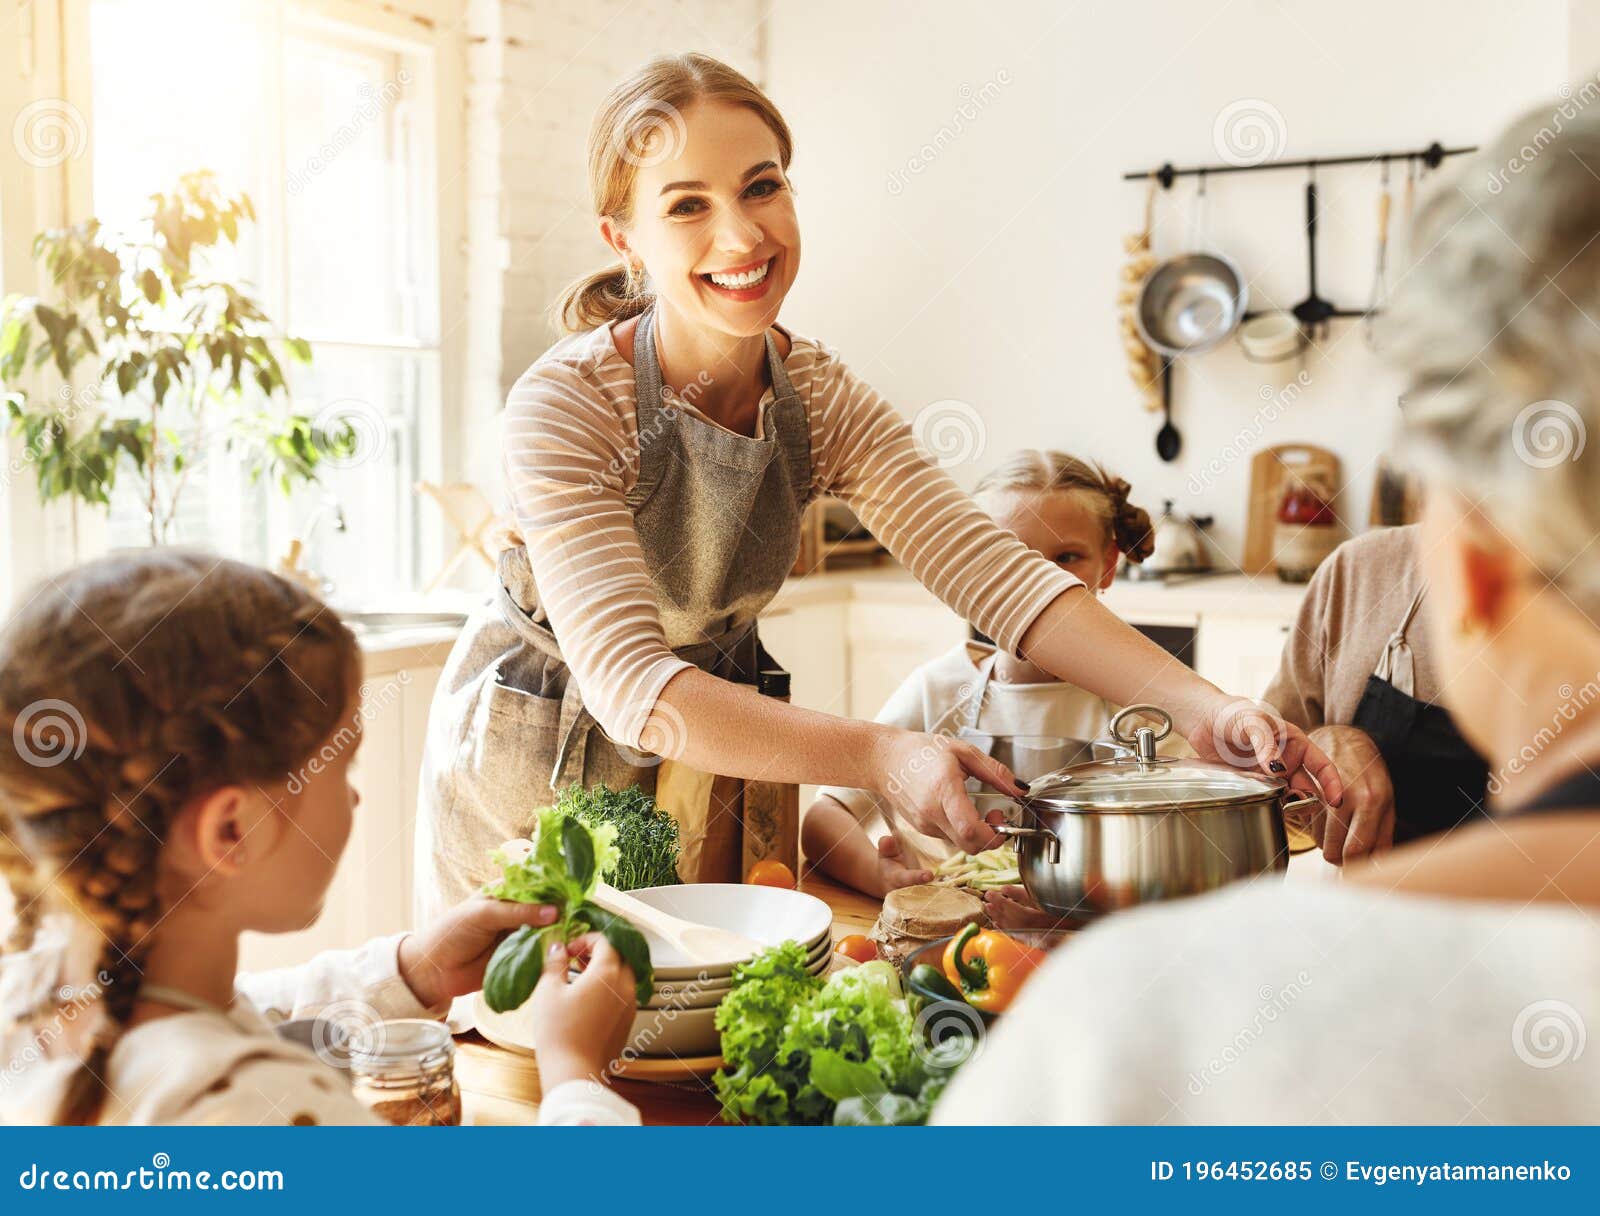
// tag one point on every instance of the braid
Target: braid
(1127, 526)
(130, 686)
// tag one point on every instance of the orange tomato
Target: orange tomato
(771, 873)
(857, 947)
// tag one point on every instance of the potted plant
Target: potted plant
(171, 357)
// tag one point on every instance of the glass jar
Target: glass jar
(404, 1071)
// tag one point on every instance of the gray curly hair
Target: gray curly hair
(1497, 328)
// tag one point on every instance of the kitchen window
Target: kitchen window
(328, 125)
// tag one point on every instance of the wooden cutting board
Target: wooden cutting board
(1269, 469)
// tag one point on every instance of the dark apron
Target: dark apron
(1439, 780)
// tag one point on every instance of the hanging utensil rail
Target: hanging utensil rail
(1430, 157)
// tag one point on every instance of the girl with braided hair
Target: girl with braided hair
(178, 734)
(1078, 516)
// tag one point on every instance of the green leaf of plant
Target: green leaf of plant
(839, 1078)
(150, 281)
(577, 848)
(628, 942)
(514, 968)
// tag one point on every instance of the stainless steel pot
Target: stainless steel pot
(1139, 828)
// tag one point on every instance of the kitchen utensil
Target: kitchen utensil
(1313, 311)
(1168, 441)
(1269, 468)
(1140, 828)
(1271, 337)
(1380, 283)
(698, 943)
(769, 915)
(1191, 303)
(1180, 546)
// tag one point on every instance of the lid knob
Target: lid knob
(1144, 738)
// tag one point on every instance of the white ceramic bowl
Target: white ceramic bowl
(769, 915)
(697, 994)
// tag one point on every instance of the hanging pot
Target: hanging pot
(1191, 303)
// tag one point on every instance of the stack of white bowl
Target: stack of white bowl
(679, 1020)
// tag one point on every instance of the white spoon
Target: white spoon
(700, 943)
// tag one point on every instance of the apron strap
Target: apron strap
(789, 424)
(974, 703)
(1397, 665)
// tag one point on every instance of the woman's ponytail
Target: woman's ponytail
(599, 298)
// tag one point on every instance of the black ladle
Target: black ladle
(1313, 311)
(1168, 442)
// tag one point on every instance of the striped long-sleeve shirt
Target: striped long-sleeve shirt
(572, 454)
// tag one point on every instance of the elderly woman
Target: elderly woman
(1452, 978)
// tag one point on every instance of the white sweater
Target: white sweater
(1302, 1005)
(233, 1069)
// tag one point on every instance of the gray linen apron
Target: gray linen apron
(718, 518)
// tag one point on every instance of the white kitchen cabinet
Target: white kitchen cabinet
(808, 640)
(889, 640)
(371, 890)
(1240, 654)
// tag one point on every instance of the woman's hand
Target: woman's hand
(1248, 734)
(925, 778)
(1364, 822)
(446, 959)
(581, 1024)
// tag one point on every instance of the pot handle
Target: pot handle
(1052, 843)
(1300, 838)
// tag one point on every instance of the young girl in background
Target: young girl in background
(179, 733)
(1076, 514)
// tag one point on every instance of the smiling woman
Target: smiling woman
(660, 459)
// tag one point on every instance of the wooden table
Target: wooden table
(502, 1087)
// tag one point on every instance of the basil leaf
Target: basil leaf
(577, 848)
(628, 942)
(514, 969)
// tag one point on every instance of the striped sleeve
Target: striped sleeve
(568, 450)
(863, 452)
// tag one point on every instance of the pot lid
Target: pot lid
(1144, 781)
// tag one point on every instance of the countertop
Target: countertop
(1180, 600)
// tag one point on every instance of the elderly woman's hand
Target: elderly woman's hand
(1364, 822)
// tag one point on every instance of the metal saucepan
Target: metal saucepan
(1139, 828)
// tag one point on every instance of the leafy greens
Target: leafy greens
(798, 1050)
(646, 836)
(563, 868)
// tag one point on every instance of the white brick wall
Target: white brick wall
(536, 72)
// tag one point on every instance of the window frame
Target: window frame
(428, 37)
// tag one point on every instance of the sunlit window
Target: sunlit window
(323, 126)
